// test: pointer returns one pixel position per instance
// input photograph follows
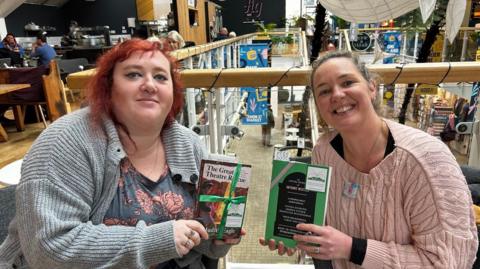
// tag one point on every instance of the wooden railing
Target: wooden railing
(192, 51)
(218, 79)
(430, 73)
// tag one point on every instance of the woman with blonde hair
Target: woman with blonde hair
(398, 198)
(176, 40)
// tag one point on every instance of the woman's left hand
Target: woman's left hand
(230, 241)
(324, 242)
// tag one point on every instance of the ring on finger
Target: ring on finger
(316, 250)
(188, 243)
(190, 234)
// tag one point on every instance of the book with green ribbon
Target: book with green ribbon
(222, 195)
(298, 194)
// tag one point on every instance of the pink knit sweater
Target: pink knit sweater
(414, 207)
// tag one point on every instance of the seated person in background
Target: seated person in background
(42, 50)
(176, 40)
(10, 43)
(123, 193)
(232, 34)
(223, 34)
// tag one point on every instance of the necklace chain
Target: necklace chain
(156, 156)
(154, 164)
(373, 145)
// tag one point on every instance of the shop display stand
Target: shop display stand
(424, 108)
(440, 118)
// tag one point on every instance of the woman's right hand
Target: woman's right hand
(272, 245)
(188, 234)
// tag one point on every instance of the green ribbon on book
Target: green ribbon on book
(227, 200)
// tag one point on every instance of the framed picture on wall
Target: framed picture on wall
(192, 3)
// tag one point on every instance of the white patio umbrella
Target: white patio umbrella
(371, 11)
(455, 14)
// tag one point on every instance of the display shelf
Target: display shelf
(440, 118)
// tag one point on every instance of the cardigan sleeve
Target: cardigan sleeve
(54, 201)
(439, 207)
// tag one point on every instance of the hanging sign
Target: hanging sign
(256, 106)
(255, 56)
(363, 42)
(437, 48)
(392, 41)
(426, 89)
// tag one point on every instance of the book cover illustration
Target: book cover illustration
(221, 197)
(298, 194)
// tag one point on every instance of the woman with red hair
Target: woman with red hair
(112, 185)
(10, 43)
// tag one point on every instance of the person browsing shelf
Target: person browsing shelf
(42, 50)
(398, 198)
(112, 185)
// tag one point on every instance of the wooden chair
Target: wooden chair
(68, 66)
(54, 96)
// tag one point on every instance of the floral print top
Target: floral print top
(139, 198)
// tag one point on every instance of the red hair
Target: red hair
(100, 85)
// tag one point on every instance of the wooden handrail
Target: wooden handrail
(403, 29)
(191, 51)
(430, 73)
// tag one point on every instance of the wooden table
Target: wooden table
(79, 80)
(6, 88)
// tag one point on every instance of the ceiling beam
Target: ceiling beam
(8, 6)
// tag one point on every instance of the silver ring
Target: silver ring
(190, 234)
(316, 250)
(188, 243)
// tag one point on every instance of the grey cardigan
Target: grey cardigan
(69, 178)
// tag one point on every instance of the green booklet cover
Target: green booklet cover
(298, 194)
